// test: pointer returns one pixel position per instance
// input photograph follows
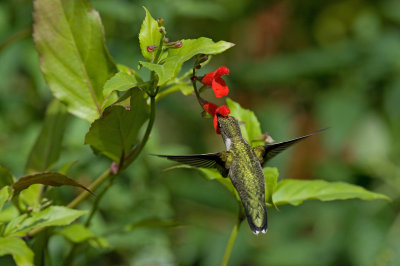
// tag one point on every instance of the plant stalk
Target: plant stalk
(193, 79)
(232, 239)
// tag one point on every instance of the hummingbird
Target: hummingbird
(243, 164)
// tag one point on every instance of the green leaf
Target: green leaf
(251, 130)
(117, 130)
(18, 249)
(6, 178)
(176, 57)
(271, 178)
(69, 37)
(149, 35)
(31, 197)
(76, 233)
(4, 195)
(52, 216)
(46, 150)
(294, 192)
(120, 82)
(46, 178)
(8, 214)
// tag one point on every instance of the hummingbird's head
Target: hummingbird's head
(228, 126)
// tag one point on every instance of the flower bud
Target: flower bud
(151, 48)
(160, 22)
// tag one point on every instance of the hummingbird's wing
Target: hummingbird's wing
(268, 151)
(207, 160)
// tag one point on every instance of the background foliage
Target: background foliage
(300, 66)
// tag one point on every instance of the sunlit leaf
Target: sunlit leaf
(4, 195)
(52, 216)
(46, 178)
(69, 37)
(271, 178)
(251, 130)
(8, 213)
(76, 233)
(99, 242)
(18, 249)
(176, 57)
(47, 147)
(117, 130)
(120, 82)
(149, 35)
(30, 196)
(294, 192)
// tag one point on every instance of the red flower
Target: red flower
(214, 80)
(213, 110)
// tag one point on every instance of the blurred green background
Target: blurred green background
(300, 66)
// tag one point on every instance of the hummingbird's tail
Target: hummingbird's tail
(257, 218)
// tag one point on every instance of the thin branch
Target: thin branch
(232, 238)
(194, 83)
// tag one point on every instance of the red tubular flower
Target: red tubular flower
(214, 80)
(214, 110)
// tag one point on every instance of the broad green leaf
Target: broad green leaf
(69, 38)
(52, 216)
(176, 57)
(46, 178)
(30, 196)
(8, 214)
(117, 130)
(251, 130)
(271, 178)
(99, 242)
(149, 35)
(76, 233)
(4, 195)
(47, 147)
(18, 249)
(294, 192)
(6, 178)
(120, 82)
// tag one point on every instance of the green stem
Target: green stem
(97, 200)
(80, 198)
(199, 99)
(103, 177)
(127, 161)
(135, 152)
(232, 239)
